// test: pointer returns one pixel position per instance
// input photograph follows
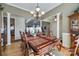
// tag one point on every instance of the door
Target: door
(5, 31)
(12, 29)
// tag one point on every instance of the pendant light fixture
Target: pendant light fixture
(37, 13)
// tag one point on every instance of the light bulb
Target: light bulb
(31, 12)
(37, 9)
(34, 15)
(55, 19)
(39, 15)
(42, 13)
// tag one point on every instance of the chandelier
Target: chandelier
(37, 13)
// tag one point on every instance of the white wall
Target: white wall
(19, 26)
(53, 27)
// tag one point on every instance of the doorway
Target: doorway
(56, 25)
(12, 29)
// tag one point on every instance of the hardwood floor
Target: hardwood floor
(65, 51)
(15, 50)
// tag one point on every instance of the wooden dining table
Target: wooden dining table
(40, 45)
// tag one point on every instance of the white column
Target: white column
(2, 29)
(0, 20)
(8, 29)
(58, 25)
(2, 23)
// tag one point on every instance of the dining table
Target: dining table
(40, 45)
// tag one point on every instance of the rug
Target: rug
(55, 52)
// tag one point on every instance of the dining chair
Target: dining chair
(58, 44)
(23, 44)
(75, 48)
(26, 45)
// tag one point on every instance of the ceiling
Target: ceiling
(31, 6)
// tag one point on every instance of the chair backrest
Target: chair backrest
(76, 42)
(21, 35)
(25, 37)
(75, 48)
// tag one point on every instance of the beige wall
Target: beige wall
(66, 10)
(19, 26)
(53, 28)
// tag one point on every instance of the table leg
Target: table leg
(27, 52)
(35, 53)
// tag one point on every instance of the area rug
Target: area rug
(52, 52)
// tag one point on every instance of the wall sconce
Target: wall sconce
(55, 18)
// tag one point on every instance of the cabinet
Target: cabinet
(74, 27)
